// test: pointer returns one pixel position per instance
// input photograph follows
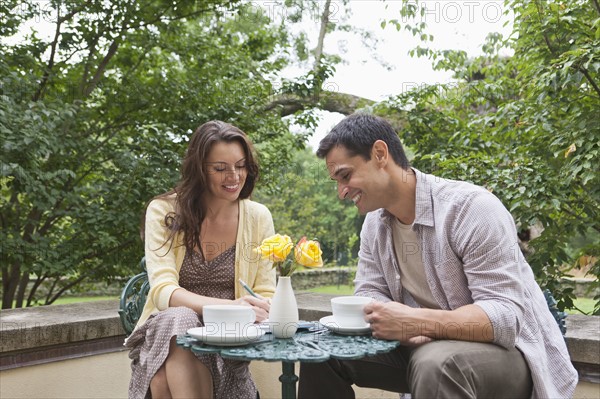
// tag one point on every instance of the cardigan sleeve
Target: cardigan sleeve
(264, 284)
(160, 254)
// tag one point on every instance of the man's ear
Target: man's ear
(379, 152)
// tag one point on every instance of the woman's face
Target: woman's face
(226, 170)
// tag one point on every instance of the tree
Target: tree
(526, 127)
(95, 120)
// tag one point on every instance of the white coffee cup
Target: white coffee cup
(227, 319)
(348, 311)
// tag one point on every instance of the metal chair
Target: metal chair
(133, 298)
(559, 316)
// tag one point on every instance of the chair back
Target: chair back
(133, 298)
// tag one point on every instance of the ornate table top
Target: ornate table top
(305, 346)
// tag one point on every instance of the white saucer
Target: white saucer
(330, 323)
(210, 336)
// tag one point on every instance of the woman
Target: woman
(198, 242)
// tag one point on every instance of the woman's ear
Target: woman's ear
(379, 152)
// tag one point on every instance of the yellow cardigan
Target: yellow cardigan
(163, 265)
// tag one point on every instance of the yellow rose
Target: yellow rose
(308, 253)
(276, 247)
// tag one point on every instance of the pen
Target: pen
(247, 288)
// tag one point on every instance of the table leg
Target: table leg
(288, 380)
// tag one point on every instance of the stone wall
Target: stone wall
(582, 287)
(311, 278)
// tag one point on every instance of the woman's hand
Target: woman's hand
(260, 305)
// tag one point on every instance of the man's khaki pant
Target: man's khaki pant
(439, 369)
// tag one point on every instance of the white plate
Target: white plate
(210, 336)
(330, 323)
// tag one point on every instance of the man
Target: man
(442, 261)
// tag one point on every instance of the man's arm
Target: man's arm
(482, 234)
(395, 321)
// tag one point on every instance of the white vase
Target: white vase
(283, 316)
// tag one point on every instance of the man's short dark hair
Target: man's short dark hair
(358, 132)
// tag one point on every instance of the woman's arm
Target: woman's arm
(264, 283)
(161, 263)
(159, 250)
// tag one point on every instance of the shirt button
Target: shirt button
(397, 277)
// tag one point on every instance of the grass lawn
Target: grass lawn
(586, 305)
(75, 299)
(342, 289)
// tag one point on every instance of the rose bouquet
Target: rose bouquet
(278, 248)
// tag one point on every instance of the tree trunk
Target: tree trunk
(10, 282)
(22, 289)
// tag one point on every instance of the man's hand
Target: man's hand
(415, 326)
(394, 321)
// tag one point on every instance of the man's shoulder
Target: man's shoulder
(442, 196)
(455, 197)
(444, 188)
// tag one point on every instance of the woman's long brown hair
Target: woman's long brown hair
(190, 209)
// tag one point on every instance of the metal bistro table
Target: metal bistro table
(316, 344)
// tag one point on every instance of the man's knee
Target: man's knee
(468, 369)
(426, 364)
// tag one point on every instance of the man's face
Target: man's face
(356, 179)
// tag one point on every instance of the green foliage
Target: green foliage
(94, 121)
(304, 203)
(527, 127)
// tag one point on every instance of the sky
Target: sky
(460, 25)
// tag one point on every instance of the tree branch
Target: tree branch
(322, 31)
(50, 300)
(44, 82)
(341, 103)
(86, 70)
(590, 79)
(39, 92)
(102, 67)
(38, 281)
(544, 34)
(597, 5)
(112, 50)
